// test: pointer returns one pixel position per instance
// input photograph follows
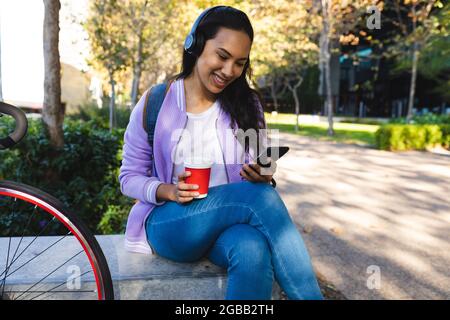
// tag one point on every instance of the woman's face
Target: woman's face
(223, 59)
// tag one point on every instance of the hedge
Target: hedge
(429, 118)
(83, 175)
(401, 137)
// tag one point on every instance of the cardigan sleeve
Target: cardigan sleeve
(135, 177)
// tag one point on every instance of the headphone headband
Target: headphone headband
(189, 43)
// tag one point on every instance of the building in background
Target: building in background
(22, 57)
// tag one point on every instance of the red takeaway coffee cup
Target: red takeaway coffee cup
(200, 170)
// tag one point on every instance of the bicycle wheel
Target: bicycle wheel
(46, 252)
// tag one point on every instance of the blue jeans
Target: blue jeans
(243, 227)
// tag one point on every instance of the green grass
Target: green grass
(362, 134)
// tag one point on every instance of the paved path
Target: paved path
(361, 210)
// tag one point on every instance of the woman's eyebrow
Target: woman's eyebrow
(230, 54)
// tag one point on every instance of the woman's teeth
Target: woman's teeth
(219, 80)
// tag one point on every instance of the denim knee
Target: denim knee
(262, 195)
(251, 252)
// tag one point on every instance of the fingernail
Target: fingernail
(196, 193)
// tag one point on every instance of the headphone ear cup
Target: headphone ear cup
(188, 43)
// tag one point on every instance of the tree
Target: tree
(417, 26)
(325, 57)
(300, 30)
(143, 20)
(274, 80)
(170, 29)
(53, 112)
(294, 77)
(108, 41)
(284, 45)
(434, 62)
(338, 18)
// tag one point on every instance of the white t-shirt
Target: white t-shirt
(199, 139)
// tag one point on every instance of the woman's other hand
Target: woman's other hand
(252, 172)
(184, 192)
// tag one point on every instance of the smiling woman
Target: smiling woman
(242, 223)
(219, 61)
(217, 67)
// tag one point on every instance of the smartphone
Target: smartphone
(274, 153)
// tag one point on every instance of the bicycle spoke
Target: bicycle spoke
(34, 225)
(2, 285)
(21, 238)
(7, 258)
(53, 292)
(53, 219)
(62, 283)
(49, 274)
(53, 244)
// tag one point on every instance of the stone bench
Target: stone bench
(146, 277)
(143, 277)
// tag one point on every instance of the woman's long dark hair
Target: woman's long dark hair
(237, 99)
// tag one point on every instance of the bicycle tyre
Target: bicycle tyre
(71, 221)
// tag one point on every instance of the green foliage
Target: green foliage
(434, 57)
(361, 137)
(100, 116)
(388, 137)
(107, 36)
(83, 174)
(401, 137)
(114, 220)
(362, 121)
(429, 118)
(445, 129)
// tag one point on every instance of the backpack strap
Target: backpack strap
(153, 102)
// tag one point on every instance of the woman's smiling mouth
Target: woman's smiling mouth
(218, 81)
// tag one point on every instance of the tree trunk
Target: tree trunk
(325, 57)
(112, 102)
(297, 108)
(53, 112)
(412, 88)
(329, 95)
(137, 72)
(296, 99)
(273, 94)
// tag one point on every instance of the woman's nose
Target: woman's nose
(227, 70)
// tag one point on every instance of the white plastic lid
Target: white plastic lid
(198, 163)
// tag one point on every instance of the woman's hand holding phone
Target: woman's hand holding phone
(252, 172)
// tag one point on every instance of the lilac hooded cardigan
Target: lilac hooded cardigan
(136, 177)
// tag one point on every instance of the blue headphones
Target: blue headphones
(191, 40)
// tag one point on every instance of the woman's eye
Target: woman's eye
(225, 58)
